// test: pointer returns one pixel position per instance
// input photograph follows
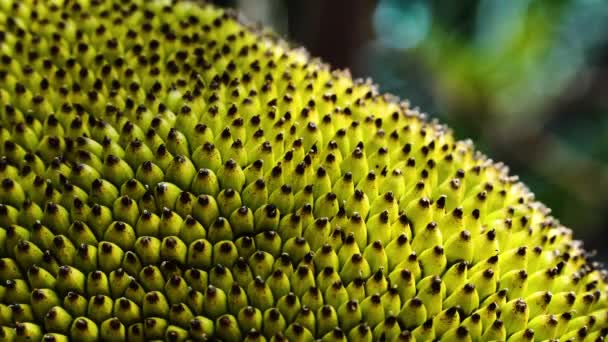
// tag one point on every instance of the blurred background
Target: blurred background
(526, 80)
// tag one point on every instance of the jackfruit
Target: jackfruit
(171, 172)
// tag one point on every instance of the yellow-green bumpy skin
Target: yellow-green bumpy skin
(170, 172)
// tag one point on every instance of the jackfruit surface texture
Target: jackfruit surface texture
(171, 172)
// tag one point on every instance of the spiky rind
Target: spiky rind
(169, 171)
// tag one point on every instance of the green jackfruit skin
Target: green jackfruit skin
(170, 172)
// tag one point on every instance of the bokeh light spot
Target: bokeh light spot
(401, 25)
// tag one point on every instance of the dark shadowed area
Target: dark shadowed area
(526, 80)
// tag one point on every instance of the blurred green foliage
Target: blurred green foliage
(526, 80)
